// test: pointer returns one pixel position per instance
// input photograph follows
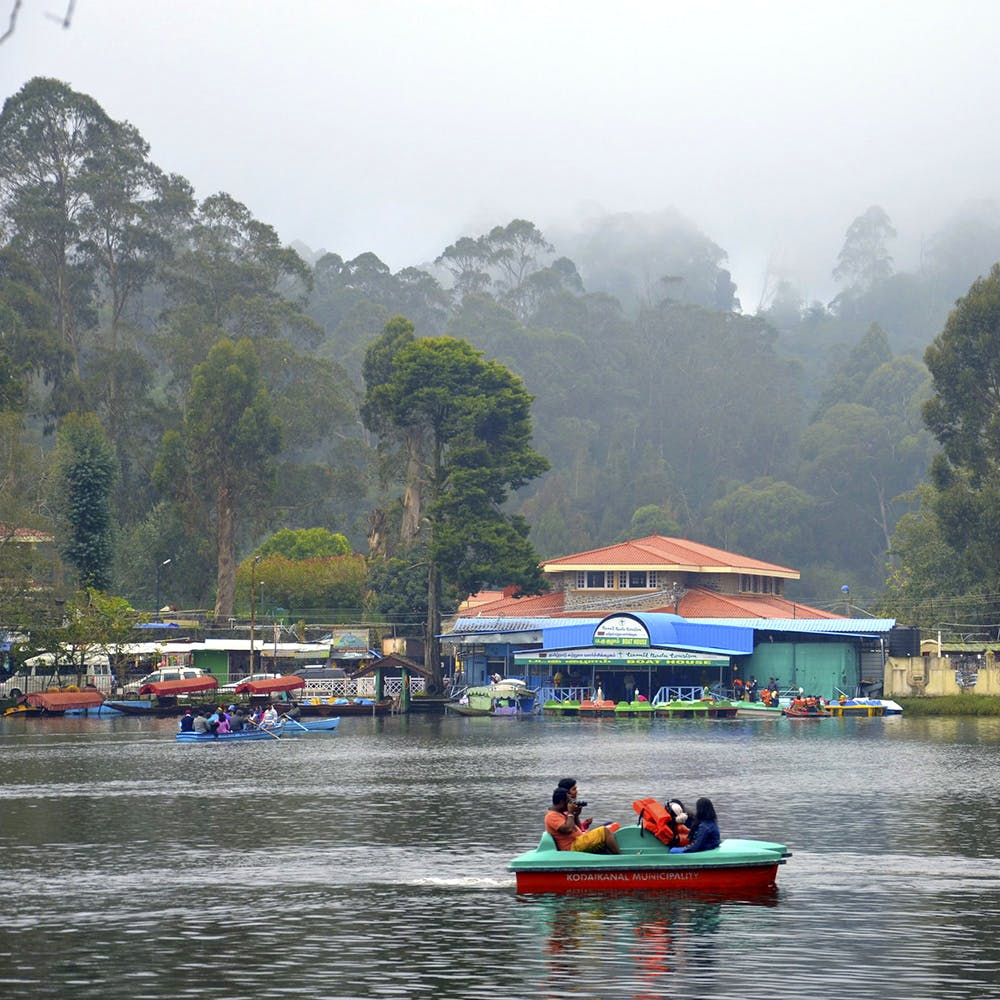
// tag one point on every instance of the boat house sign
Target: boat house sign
(621, 631)
(643, 658)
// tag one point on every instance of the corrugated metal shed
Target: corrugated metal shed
(825, 626)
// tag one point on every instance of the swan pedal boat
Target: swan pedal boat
(736, 867)
(263, 733)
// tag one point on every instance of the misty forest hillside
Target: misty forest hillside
(792, 434)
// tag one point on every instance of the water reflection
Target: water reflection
(650, 940)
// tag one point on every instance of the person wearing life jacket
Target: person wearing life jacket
(667, 822)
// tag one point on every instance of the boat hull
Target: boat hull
(863, 709)
(747, 881)
(736, 867)
(248, 735)
(328, 708)
(757, 710)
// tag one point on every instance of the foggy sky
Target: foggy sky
(397, 126)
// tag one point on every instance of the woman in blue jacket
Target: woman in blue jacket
(706, 835)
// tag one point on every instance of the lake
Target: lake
(371, 862)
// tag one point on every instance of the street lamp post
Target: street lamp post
(253, 589)
(159, 566)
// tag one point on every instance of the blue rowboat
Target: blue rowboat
(283, 730)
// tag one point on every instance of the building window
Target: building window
(598, 580)
(622, 579)
(637, 578)
(652, 579)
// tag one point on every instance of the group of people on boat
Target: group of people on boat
(751, 691)
(669, 822)
(232, 719)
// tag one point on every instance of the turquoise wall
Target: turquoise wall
(821, 668)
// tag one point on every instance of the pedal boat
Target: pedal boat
(735, 868)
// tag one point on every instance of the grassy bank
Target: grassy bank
(952, 704)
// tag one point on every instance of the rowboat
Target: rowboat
(645, 865)
(808, 708)
(284, 729)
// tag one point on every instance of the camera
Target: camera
(578, 805)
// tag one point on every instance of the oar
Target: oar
(288, 718)
(264, 729)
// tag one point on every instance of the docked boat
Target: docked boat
(736, 867)
(806, 708)
(594, 709)
(343, 706)
(556, 707)
(703, 708)
(852, 707)
(634, 709)
(58, 703)
(757, 710)
(285, 728)
(507, 697)
(866, 707)
(168, 697)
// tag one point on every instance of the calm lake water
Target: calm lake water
(372, 862)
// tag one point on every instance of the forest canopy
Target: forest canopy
(226, 390)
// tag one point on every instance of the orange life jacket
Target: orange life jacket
(655, 817)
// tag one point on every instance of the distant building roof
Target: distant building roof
(660, 553)
(695, 602)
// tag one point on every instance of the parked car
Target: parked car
(165, 674)
(233, 685)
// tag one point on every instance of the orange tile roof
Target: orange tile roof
(701, 603)
(697, 602)
(539, 606)
(659, 552)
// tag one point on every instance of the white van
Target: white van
(29, 679)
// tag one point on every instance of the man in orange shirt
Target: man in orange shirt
(569, 837)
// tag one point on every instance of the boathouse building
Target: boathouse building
(664, 612)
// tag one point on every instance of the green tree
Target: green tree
(864, 259)
(305, 543)
(765, 516)
(225, 450)
(924, 571)
(653, 519)
(48, 136)
(91, 622)
(331, 584)
(474, 418)
(85, 472)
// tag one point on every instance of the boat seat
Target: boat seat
(547, 843)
